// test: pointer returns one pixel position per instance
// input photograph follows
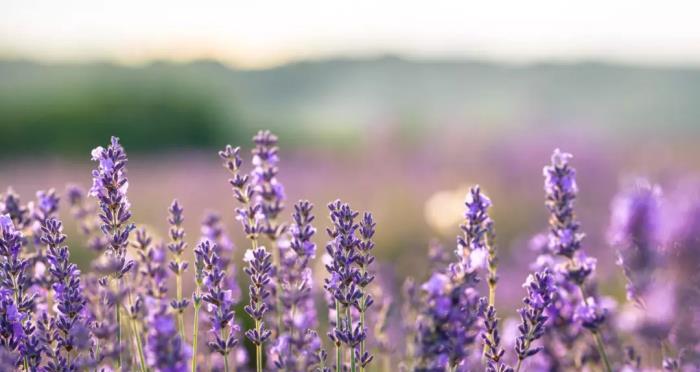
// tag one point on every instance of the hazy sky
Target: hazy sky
(262, 33)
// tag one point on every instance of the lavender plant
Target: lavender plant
(565, 240)
(109, 186)
(178, 266)
(70, 336)
(53, 317)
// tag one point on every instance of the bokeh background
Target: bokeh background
(396, 107)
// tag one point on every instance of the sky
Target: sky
(258, 34)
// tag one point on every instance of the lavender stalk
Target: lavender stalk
(178, 266)
(110, 185)
(565, 240)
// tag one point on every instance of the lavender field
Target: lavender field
(365, 186)
(520, 257)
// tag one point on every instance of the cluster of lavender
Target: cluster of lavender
(348, 259)
(122, 316)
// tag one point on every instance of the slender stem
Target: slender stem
(276, 260)
(362, 325)
(137, 338)
(348, 315)
(596, 335)
(180, 315)
(195, 336)
(601, 350)
(224, 335)
(520, 364)
(139, 345)
(338, 348)
(362, 318)
(119, 336)
(97, 353)
(258, 349)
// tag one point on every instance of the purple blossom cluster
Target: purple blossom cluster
(138, 307)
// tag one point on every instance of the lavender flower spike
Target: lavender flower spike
(109, 186)
(259, 266)
(540, 291)
(15, 301)
(220, 305)
(71, 322)
(177, 265)
(343, 283)
(565, 240)
(492, 340)
(634, 230)
(561, 189)
(471, 246)
(294, 346)
(264, 176)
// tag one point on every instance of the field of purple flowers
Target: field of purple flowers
(161, 304)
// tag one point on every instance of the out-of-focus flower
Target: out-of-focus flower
(634, 230)
(165, 350)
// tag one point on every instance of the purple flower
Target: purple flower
(6, 223)
(492, 340)
(86, 218)
(590, 314)
(109, 187)
(540, 291)
(250, 214)
(152, 265)
(560, 186)
(268, 189)
(220, 304)
(345, 284)
(635, 231)
(299, 311)
(213, 230)
(472, 243)
(16, 325)
(259, 266)
(177, 246)
(165, 350)
(70, 302)
(11, 205)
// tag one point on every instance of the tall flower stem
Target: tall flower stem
(348, 315)
(195, 335)
(338, 348)
(258, 349)
(137, 339)
(601, 350)
(180, 315)
(117, 313)
(600, 346)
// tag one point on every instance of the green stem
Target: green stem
(278, 286)
(137, 338)
(258, 349)
(596, 335)
(180, 315)
(195, 336)
(119, 336)
(601, 350)
(338, 349)
(362, 325)
(348, 315)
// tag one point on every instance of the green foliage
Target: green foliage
(150, 111)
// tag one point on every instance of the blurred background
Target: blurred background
(396, 107)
